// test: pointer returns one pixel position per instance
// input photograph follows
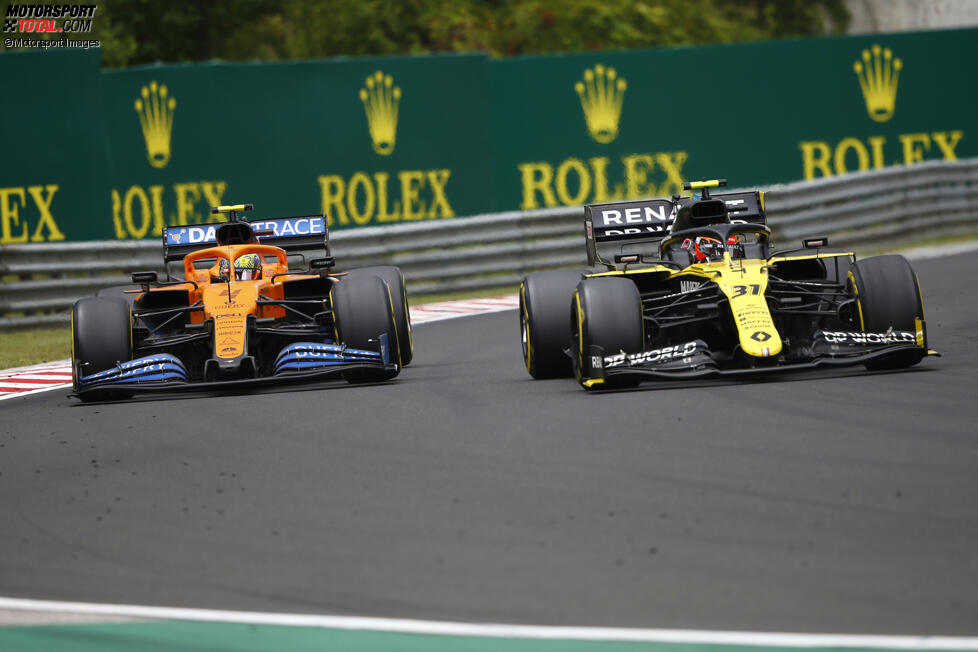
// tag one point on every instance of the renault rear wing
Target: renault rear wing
(640, 220)
(744, 206)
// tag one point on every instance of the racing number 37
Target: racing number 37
(741, 290)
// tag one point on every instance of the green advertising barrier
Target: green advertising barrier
(370, 141)
(52, 172)
(590, 128)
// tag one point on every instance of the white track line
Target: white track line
(407, 626)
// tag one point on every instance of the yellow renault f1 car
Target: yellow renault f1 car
(242, 304)
(691, 289)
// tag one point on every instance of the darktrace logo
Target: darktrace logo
(44, 19)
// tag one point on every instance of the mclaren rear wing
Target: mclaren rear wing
(304, 235)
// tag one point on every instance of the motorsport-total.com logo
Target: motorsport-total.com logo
(42, 19)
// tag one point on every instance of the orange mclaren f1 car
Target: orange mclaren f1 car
(243, 303)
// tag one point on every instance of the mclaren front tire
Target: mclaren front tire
(544, 331)
(362, 313)
(101, 338)
(399, 304)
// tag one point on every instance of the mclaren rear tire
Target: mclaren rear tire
(544, 300)
(120, 291)
(361, 314)
(607, 313)
(101, 337)
(888, 296)
(402, 314)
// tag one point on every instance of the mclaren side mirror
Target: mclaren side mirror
(321, 265)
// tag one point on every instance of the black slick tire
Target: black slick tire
(120, 291)
(402, 314)
(361, 313)
(607, 312)
(101, 337)
(545, 332)
(888, 296)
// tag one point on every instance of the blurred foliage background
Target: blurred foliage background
(134, 32)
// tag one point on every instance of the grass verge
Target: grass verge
(21, 348)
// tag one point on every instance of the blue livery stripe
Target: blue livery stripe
(154, 367)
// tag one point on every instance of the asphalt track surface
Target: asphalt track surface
(840, 501)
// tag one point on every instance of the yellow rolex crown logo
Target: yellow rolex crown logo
(380, 101)
(878, 75)
(155, 109)
(601, 92)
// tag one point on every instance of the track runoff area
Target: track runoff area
(29, 625)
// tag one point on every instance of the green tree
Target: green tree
(136, 32)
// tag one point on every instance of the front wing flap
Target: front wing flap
(302, 361)
(693, 360)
